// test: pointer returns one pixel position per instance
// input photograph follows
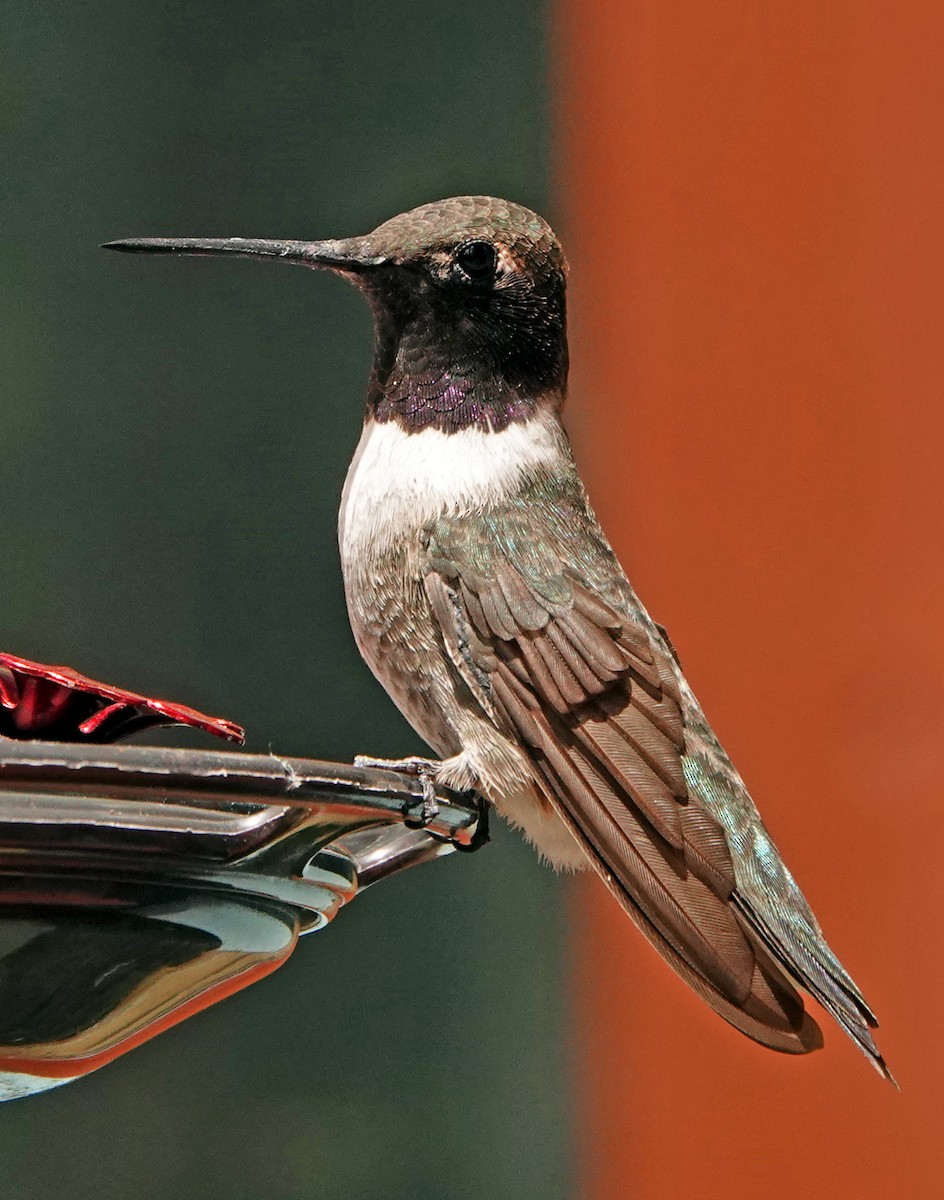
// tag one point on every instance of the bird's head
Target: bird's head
(468, 297)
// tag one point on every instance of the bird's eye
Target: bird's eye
(476, 261)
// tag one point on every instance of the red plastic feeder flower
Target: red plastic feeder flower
(58, 704)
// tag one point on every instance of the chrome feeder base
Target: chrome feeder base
(139, 885)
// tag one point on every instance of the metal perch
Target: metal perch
(140, 884)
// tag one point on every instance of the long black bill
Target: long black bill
(346, 254)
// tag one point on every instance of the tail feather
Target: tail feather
(816, 969)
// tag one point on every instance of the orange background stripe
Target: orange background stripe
(753, 203)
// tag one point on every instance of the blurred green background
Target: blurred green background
(175, 437)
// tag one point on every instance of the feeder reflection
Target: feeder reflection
(79, 988)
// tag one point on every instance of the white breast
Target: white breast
(398, 480)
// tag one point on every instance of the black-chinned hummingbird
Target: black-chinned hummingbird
(486, 599)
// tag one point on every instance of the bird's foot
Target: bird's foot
(426, 770)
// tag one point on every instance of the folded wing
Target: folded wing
(593, 695)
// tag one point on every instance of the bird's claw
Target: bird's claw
(481, 835)
(420, 813)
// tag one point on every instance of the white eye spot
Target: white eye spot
(506, 264)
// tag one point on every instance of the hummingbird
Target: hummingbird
(485, 597)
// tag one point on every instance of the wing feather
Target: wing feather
(586, 695)
(589, 686)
